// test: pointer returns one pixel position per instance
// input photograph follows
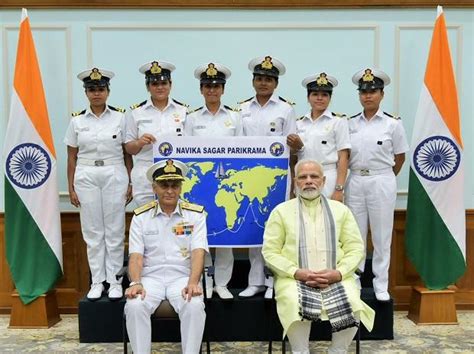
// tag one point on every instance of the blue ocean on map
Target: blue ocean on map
(238, 195)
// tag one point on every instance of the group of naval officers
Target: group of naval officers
(348, 165)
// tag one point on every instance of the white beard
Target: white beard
(308, 194)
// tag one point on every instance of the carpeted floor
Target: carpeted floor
(409, 338)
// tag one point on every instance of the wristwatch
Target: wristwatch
(339, 187)
(134, 283)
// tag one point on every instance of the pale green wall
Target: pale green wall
(338, 42)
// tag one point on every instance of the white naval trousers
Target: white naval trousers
(298, 335)
(141, 186)
(102, 192)
(191, 314)
(330, 184)
(224, 264)
(372, 201)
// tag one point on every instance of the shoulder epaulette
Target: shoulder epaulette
(339, 115)
(355, 115)
(136, 105)
(232, 109)
(193, 207)
(391, 116)
(75, 114)
(285, 100)
(116, 109)
(300, 118)
(248, 99)
(195, 110)
(180, 103)
(144, 208)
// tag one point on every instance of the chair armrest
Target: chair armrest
(268, 272)
(121, 273)
(209, 270)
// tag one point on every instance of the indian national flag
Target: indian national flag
(32, 223)
(435, 230)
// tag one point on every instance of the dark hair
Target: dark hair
(208, 83)
(328, 92)
(261, 75)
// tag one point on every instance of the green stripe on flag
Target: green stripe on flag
(33, 265)
(429, 244)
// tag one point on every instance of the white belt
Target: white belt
(329, 166)
(88, 162)
(367, 172)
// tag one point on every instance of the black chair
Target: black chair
(268, 274)
(166, 312)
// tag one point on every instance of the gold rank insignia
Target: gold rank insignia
(193, 207)
(169, 168)
(184, 252)
(368, 77)
(211, 70)
(267, 63)
(145, 207)
(155, 68)
(95, 74)
(322, 79)
(228, 123)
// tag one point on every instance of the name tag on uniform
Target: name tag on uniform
(200, 127)
(143, 121)
(246, 115)
(183, 229)
(85, 129)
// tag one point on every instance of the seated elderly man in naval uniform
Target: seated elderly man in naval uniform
(313, 246)
(167, 245)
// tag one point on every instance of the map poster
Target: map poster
(239, 180)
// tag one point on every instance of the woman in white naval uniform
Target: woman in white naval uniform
(265, 114)
(379, 144)
(149, 121)
(323, 135)
(215, 119)
(98, 177)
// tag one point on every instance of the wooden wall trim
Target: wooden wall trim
(231, 4)
(75, 282)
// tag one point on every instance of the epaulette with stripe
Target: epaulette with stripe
(136, 105)
(355, 115)
(117, 109)
(248, 99)
(180, 103)
(300, 118)
(195, 110)
(394, 117)
(193, 207)
(285, 100)
(339, 115)
(232, 109)
(75, 114)
(145, 207)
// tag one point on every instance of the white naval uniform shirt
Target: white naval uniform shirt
(146, 118)
(166, 242)
(97, 137)
(375, 142)
(323, 137)
(226, 122)
(275, 118)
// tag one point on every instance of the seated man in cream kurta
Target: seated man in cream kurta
(313, 246)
